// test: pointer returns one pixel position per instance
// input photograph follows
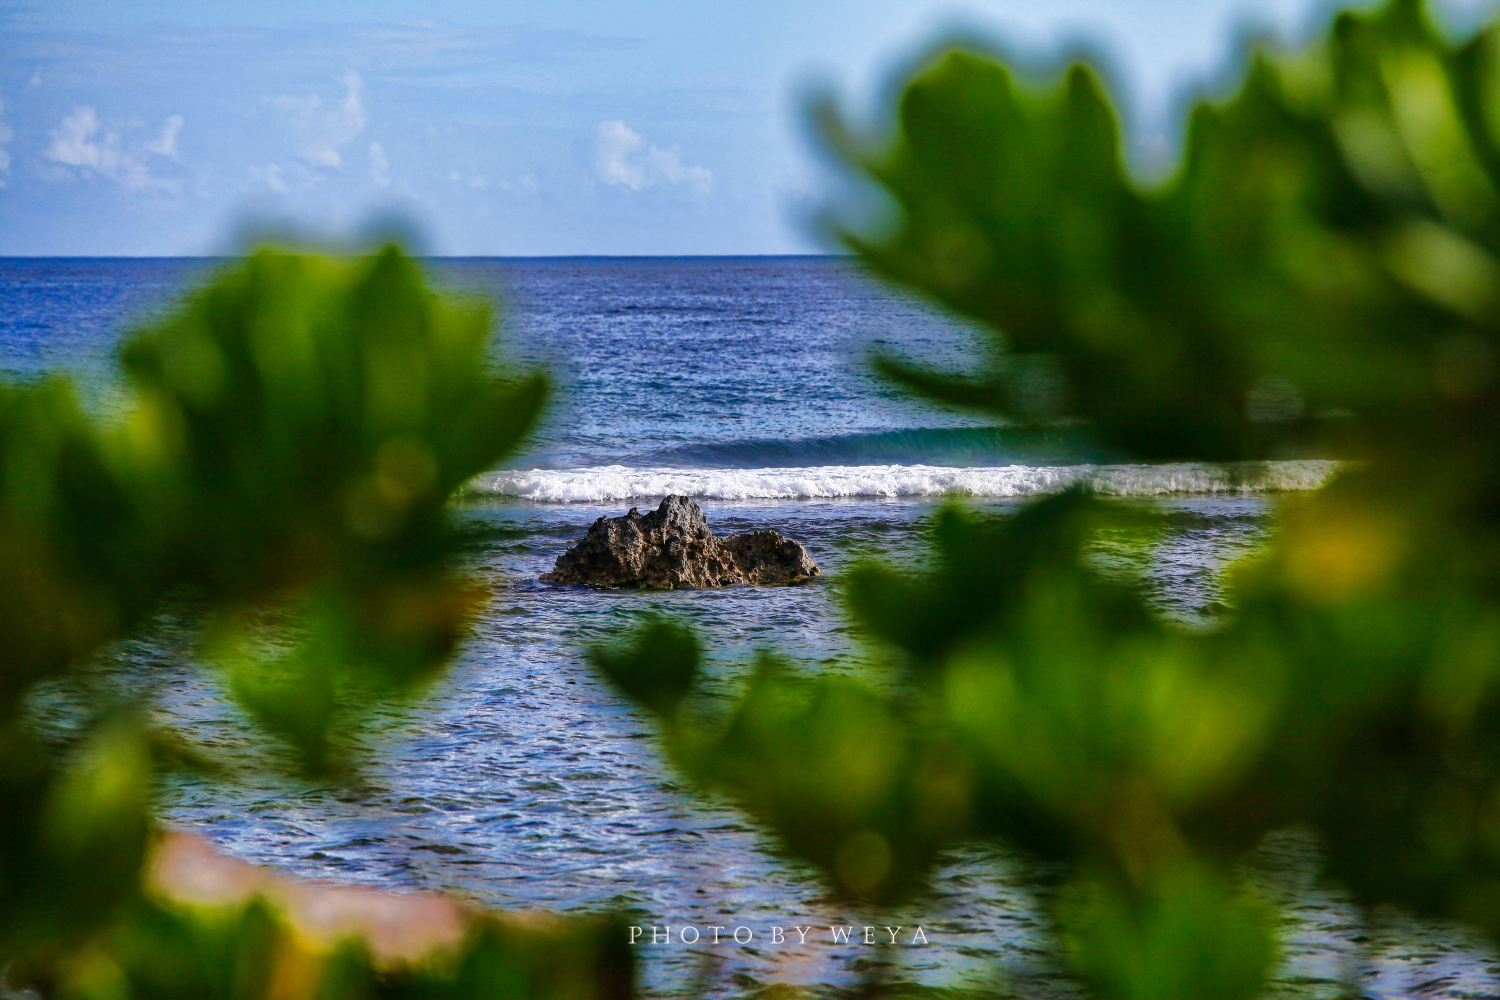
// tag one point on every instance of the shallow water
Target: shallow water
(526, 783)
(523, 782)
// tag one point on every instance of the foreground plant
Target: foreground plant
(1320, 275)
(295, 429)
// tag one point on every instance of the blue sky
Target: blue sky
(512, 127)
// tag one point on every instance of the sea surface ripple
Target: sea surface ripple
(521, 781)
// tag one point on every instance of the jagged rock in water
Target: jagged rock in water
(672, 547)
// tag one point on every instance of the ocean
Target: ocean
(521, 782)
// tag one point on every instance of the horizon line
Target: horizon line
(347, 253)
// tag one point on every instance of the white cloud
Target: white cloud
(77, 142)
(73, 140)
(475, 181)
(623, 156)
(166, 143)
(270, 176)
(6, 135)
(36, 77)
(320, 129)
(380, 167)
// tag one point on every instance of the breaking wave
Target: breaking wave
(617, 482)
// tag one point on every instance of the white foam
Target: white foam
(617, 482)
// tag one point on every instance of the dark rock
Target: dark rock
(672, 547)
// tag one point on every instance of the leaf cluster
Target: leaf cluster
(295, 429)
(1320, 275)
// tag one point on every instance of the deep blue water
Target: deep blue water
(524, 783)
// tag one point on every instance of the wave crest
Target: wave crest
(617, 482)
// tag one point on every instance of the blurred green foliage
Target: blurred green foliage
(295, 429)
(1321, 274)
(167, 951)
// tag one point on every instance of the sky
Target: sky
(521, 127)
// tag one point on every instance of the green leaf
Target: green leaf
(656, 667)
